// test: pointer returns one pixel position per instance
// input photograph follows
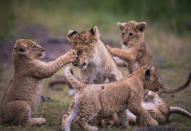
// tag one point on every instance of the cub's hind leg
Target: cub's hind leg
(19, 112)
(35, 121)
(123, 119)
(69, 117)
(142, 116)
(88, 113)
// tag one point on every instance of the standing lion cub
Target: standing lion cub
(136, 53)
(22, 96)
(92, 100)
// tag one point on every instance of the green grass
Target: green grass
(59, 17)
(53, 112)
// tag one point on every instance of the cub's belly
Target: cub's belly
(97, 78)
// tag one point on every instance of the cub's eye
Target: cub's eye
(21, 50)
(34, 46)
(123, 33)
(130, 34)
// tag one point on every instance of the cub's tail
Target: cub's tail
(178, 110)
(174, 90)
(1, 120)
(72, 79)
(61, 80)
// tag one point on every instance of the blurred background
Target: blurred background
(47, 22)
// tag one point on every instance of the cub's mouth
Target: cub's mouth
(83, 66)
(125, 43)
(42, 54)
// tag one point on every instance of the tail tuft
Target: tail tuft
(189, 78)
(1, 120)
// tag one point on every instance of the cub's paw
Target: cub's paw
(41, 121)
(153, 123)
(109, 48)
(71, 56)
(93, 128)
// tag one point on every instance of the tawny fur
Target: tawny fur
(95, 62)
(159, 109)
(22, 96)
(136, 53)
(105, 99)
(156, 107)
(134, 48)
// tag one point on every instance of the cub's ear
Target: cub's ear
(20, 50)
(121, 25)
(147, 74)
(71, 34)
(94, 31)
(140, 27)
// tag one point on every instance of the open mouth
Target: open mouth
(41, 55)
(83, 66)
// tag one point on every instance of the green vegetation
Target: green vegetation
(53, 112)
(171, 15)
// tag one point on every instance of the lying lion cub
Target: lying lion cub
(105, 99)
(159, 109)
(136, 53)
(156, 107)
(22, 96)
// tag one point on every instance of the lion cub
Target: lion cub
(156, 107)
(134, 48)
(159, 109)
(105, 99)
(94, 61)
(136, 53)
(22, 96)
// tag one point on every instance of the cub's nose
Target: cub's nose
(43, 49)
(124, 42)
(84, 64)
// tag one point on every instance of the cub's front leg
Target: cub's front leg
(43, 70)
(143, 118)
(129, 56)
(120, 62)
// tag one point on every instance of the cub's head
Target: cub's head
(27, 49)
(131, 32)
(149, 95)
(151, 78)
(84, 43)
